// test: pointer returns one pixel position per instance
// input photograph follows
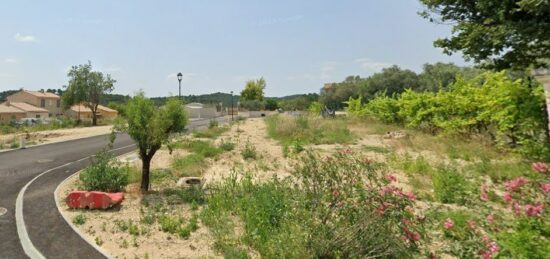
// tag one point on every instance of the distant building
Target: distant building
(84, 113)
(43, 100)
(8, 113)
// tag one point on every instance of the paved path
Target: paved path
(45, 227)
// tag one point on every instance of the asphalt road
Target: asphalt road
(46, 229)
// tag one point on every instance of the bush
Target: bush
(226, 145)
(105, 174)
(249, 151)
(307, 130)
(213, 123)
(449, 186)
(510, 112)
(343, 208)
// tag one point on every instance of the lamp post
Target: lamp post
(232, 111)
(180, 76)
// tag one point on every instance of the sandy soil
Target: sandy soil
(52, 136)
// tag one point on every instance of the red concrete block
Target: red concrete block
(93, 200)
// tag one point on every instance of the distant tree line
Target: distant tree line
(394, 80)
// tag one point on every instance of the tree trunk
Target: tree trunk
(146, 161)
(94, 118)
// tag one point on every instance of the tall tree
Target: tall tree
(151, 127)
(254, 90)
(499, 34)
(87, 87)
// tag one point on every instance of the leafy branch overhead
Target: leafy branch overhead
(499, 34)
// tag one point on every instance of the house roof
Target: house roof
(43, 94)
(27, 107)
(9, 109)
(82, 108)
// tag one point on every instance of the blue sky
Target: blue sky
(218, 45)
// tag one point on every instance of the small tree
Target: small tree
(151, 126)
(254, 90)
(87, 87)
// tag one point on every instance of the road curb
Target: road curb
(68, 221)
(26, 243)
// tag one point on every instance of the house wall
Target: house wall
(7, 117)
(50, 103)
(37, 115)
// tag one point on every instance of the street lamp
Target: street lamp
(180, 76)
(232, 111)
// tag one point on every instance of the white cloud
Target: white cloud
(24, 38)
(371, 65)
(10, 60)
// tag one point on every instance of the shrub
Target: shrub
(79, 219)
(307, 130)
(226, 145)
(449, 186)
(169, 224)
(249, 151)
(105, 174)
(213, 123)
(343, 208)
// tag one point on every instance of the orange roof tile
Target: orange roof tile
(27, 107)
(43, 94)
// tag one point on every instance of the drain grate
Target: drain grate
(3, 211)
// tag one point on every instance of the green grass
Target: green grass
(189, 165)
(499, 171)
(212, 133)
(308, 130)
(79, 219)
(376, 149)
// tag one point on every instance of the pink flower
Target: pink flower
(515, 184)
(517, 208)
(491, 219)
(484, 196)
(335, 193)
(493, 247)
(545, 187)
(507, 197)
(472, 224)
(410, 196)
(540, 167)
(534, 210)
(448, 224)
(391, 178)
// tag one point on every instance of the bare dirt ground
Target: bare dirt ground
(52, 136)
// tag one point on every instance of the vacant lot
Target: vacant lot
(302, 187)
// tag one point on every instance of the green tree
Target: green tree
(151, 126)
(253, 90)
(271, 105)
(391, 80)
(498, 33)
(87, 87)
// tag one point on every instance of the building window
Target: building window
(58, 103)
(38, 116)
(42, 103)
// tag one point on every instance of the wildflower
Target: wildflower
(472, 224)
(515, 184)
(507, 197)
(391, 178)
(448, 224)
(540, 167)
(484, 195)
(335, 193)
(493, 247)
(517, 208)
(410, 235)
(410, 196)
(491, 219)
(533, 210)
(545, 187)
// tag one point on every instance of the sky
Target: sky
(297, 46)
